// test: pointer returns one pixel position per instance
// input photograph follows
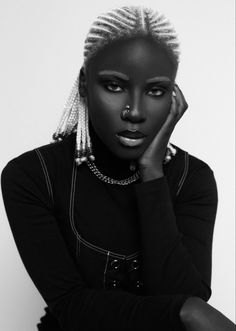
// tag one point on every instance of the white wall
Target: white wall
(41, 54)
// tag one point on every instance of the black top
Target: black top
(110, 257)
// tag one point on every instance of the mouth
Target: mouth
(131, 134)
(131, 138)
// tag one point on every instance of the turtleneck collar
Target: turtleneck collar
(106, 162)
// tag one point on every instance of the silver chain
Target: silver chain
(109, 180)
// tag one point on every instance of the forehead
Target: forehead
(139, 57)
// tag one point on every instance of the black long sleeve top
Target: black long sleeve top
(110, 257)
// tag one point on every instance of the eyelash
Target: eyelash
(117, 85)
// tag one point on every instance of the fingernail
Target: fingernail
(174, 94)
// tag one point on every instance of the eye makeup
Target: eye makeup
(119, 84)
(113, 84)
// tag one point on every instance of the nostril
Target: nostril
(133, 115)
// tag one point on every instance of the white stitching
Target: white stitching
(78, 236)
(186, 167)
(71, 208)
(105, 270)
(45, 171)
(184, 170)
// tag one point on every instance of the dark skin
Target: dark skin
(155, 112)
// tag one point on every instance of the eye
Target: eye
(112, 86)
(157, 91)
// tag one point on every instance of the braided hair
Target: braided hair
(120, 23)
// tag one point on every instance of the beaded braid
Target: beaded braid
(120, 23)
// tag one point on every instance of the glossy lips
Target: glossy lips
(130, 138)
(131, 134)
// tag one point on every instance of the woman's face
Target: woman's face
(135, 72)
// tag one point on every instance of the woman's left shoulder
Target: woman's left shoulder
(189, 160)
(193, 172)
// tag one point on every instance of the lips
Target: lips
(131, 134)
(131, 138)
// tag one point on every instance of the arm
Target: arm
(54, 273)
(177, 240)
(197, 315)
(180, 262)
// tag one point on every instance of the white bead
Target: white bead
(78, 161)
(83, 158)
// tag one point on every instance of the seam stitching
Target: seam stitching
(105, 270)
(46, 174)
(186, 167)
(78, 236)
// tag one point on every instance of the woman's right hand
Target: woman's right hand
(198, 315)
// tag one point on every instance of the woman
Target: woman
(113, 222)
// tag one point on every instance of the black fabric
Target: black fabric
(87, 245)
(48, 322)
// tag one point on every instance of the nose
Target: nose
(135, 113)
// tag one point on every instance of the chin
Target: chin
(128, 153)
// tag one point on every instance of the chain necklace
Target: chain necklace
(109, 180)
(171, 151)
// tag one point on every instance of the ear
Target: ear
(82, 83)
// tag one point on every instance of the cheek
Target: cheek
(103, 109)
(158, 112)
(103, 99)
(157, 115)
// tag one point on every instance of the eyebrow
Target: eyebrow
(125, 77)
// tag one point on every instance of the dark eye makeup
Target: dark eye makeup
(114, 86)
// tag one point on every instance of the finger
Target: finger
(178, 107)
(169, 124)
(181, 108)
(181, 94)
(171, 119)
(181, 98)
(174, 111)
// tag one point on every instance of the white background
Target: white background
(40, 57)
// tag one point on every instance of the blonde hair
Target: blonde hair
(120, 23)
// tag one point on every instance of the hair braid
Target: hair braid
(119, 23)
